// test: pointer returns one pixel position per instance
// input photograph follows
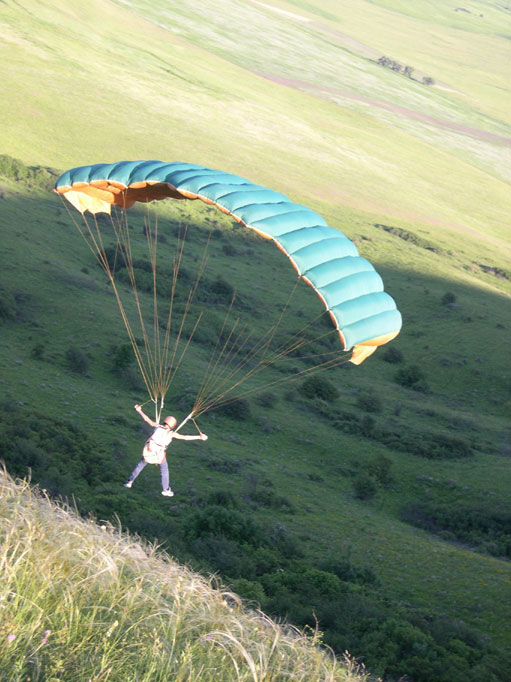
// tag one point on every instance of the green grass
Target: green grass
(287, 444)
(130, 81)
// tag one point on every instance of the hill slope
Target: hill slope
(82, 601)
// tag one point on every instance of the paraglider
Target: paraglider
(155, 449)
(363, 314)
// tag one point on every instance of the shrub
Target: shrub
(392, 355)
(236, 409)
(348, 572)
(267, 498)
(448, 298)
(249, 590)
(229, 523)
(365, 486)
(223, 498)
(370, 402)
(485, 528)
(228, 248)
(12, 168)
(367, 426)
(222, 554)
(448, 447)
(37, 351)
(224, 466)
(35, 175)
(222, 289)
(380, 467)
(123, 356)
(76, 360)
(132, 377)
(319, 387)
(411, 237)
(311, 583)
(268, 399)
(412, 377)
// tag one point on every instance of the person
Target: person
(155, 447)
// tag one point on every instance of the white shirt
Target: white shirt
(161, 436)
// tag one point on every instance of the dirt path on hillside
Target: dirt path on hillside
(323, 91)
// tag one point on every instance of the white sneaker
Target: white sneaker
(128, 484)
(167, 493)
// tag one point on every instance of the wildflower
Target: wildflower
(11, 637)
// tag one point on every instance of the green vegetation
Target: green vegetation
(378, 508)
(83, 601)
(36, 176)
(319, 387)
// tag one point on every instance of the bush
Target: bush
(224, 466)
(76, 360)
(267, 498)
(367, 426)
(370, 402)
(223, 498)
(268, 399)
(123, 357)
(449, 447)
(37, 352)
(380, 468)
(229, 523)
(132, 378)
(229, 249)
(489, 530)
(12, 168)
(392, 355)
(35, 175)
(221, 289)
(249, 590)
(348, 572)
(218, 553)
(236, 409)
(365, 486)
(412, 377)
(448, 298)
(319, 387)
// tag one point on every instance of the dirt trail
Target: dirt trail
(324, 91)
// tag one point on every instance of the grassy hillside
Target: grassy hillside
(399, 488)
(83, 601)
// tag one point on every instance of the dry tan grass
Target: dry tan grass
(82, 601)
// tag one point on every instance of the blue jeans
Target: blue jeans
(164, 468)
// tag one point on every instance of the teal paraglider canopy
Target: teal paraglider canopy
(364, 315)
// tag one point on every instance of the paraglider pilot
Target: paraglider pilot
(155, 449)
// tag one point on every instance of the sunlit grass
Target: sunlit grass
(81, 601)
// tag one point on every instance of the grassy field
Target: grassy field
(289, 94)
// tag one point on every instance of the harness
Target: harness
(154, 451)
